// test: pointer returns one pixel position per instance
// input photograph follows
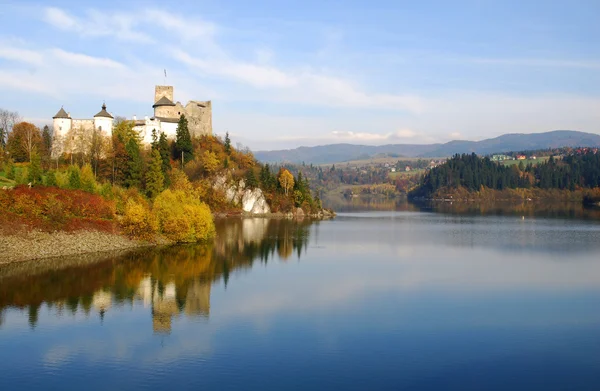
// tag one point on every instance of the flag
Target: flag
(165, 73)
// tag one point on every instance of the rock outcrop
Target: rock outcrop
(252, 201)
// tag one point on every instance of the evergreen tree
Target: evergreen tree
(251, 180)
(10, 169)
(35, 168)
(74, 178)
(227, 144)
(154, 143)
(154, 176)
(51, 178)
(133, 174)
(183, 141)
(165, 156)
(46, 144)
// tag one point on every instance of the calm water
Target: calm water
(369, 301)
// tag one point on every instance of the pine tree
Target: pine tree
(227, 144)
(251, 180)
(183, 141)
(154, 143)
(133, 173)
(74, 178)
(51, 179)
(165, 156)
(154, 176)
(46, 144)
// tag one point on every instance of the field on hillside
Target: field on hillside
(539, 160)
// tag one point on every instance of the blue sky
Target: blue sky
(285, 74)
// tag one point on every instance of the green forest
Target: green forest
(571, 172)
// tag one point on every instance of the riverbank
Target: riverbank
(36, 244)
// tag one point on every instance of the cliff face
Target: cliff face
(252, 201)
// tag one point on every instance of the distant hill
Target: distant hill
(335, 153)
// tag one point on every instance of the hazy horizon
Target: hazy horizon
(313, 73)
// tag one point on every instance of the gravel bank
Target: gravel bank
(37, 244)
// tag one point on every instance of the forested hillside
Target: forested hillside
(571, 172)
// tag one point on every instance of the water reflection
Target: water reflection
(169, 282)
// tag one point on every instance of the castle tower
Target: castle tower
(61, 123)
(163, 102)
(103, 121)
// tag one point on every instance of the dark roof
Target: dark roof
(164, 101)
(164, 119)
(103, 113)
(61, 114)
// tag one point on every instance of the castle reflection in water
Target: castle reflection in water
(170, 282)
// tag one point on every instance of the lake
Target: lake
(413, 298)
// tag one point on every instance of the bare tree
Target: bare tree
(7, 120)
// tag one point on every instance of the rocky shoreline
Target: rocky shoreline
(38, 245)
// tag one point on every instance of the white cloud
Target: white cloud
(97, 24)
(21, 55)
(85, 60)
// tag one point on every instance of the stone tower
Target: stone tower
(164, 107)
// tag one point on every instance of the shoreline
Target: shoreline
(38, 245)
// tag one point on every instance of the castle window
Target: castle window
(178, 113)
(60, 128)
(100, 128)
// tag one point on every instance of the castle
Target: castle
(75, 135)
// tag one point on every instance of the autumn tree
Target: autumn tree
(97, 148)
(22, 140)
(154, 176)
(210, 161)
(183, 141)
(286, 180)
(88, 180)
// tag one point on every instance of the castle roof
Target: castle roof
(61, 114)
(103, 112)
(164, 101)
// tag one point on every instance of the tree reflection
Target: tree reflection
(170, 282)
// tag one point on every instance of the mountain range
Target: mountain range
(334, 153)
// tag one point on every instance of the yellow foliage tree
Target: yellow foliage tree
(138, 222)
(286, 180)
(182, 217)
(210, 161)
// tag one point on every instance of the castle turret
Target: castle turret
(103, 121)
(61, 123)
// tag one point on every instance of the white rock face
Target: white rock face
(253, 201)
